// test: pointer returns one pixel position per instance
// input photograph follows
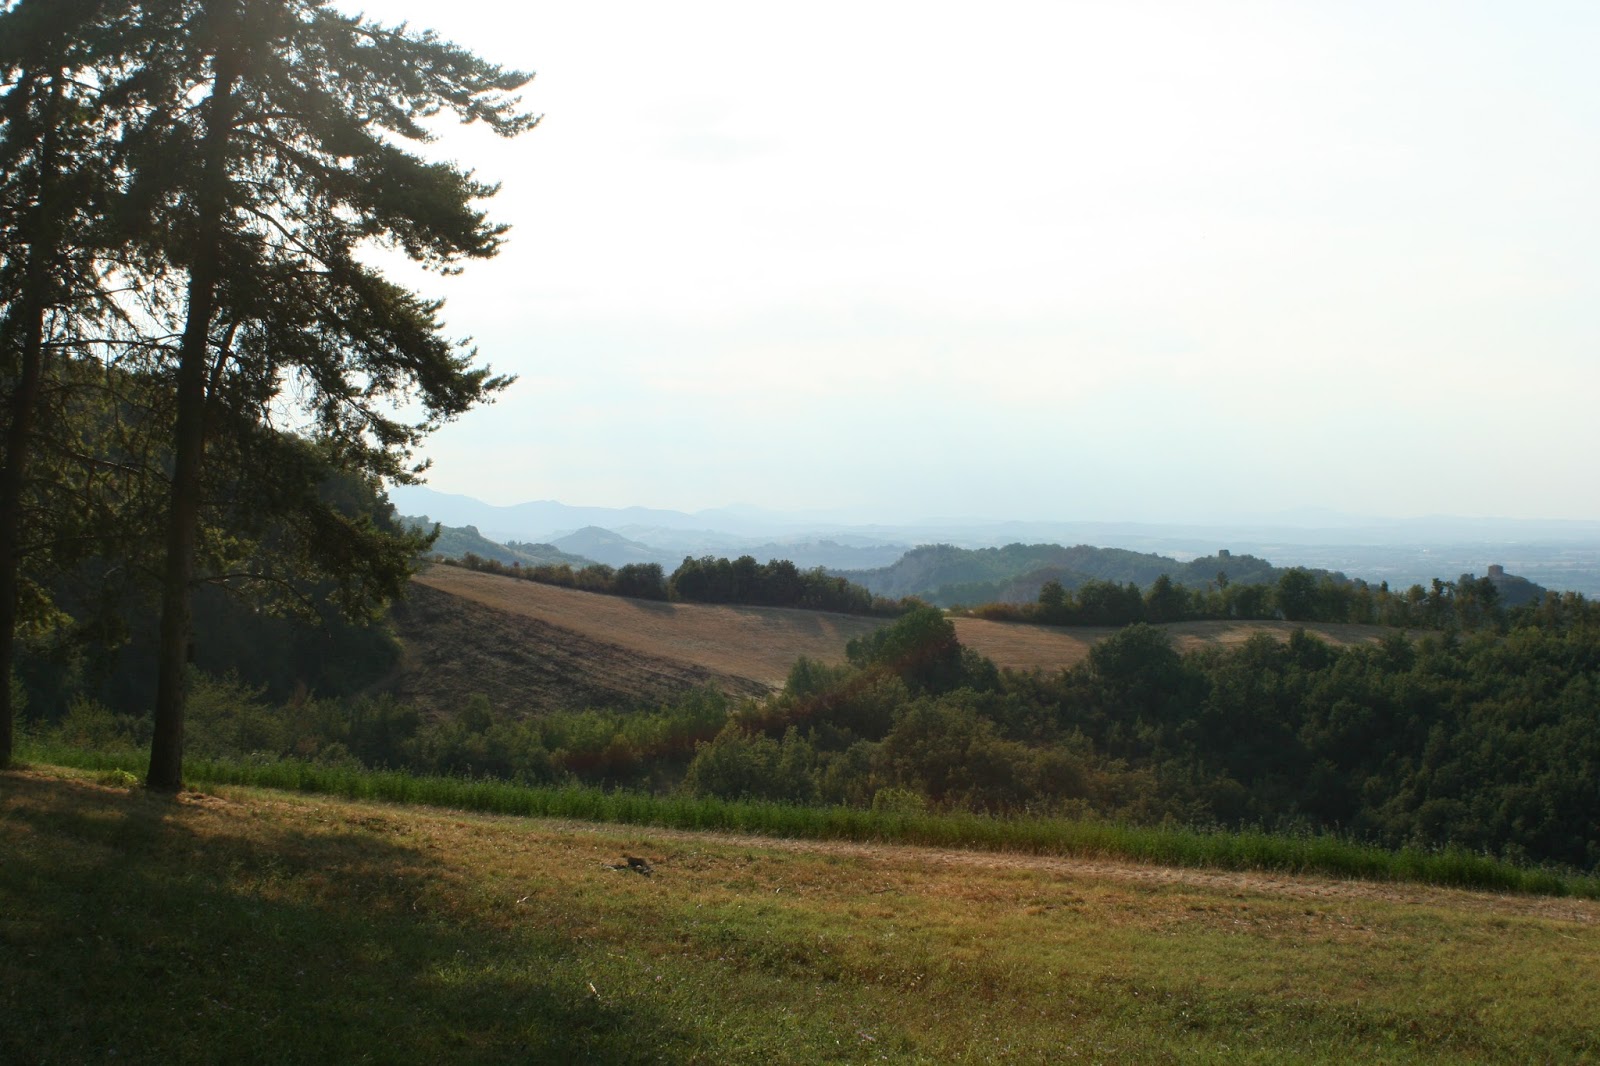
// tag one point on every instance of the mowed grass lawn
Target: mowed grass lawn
(258, 926)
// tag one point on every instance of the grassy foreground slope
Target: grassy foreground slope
(760, 644)
(259, 926)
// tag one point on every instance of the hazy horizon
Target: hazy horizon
(1294, 518)
(1144, 262)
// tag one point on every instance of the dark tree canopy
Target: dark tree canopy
(59, 71)
(259, 151)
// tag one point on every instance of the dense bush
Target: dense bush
(1479, 739)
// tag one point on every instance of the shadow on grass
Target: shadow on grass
(138, 927)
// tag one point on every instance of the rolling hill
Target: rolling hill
(454, 542)
(531, 647)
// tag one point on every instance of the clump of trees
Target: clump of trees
(644, 581)
(776, 583)
(187, 191)
(1481, 739)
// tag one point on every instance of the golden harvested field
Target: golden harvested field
(758, 643)
(1025, 647)
(751, 648)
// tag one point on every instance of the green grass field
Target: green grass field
(250, 925)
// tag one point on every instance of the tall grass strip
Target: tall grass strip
(1325, 855)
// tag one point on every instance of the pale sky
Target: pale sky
(1117, 260)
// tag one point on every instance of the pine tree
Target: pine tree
(192, 184)
(59, 62)
(269, 190)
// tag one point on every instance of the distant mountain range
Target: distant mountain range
(1562, 555)
(622, 535)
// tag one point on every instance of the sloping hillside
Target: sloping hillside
(455, 647)
(755, 644)
(283, 927)
(457, 541)
(540, 645)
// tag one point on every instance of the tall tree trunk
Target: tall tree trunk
(189, 434)
(32, 304)
(19, 433)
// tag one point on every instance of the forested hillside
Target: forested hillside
(945, 575)
(457, 542)
(1484, 739)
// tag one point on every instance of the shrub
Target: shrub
(226, 717)
(91, 725)
(898, 801)
(738, 765)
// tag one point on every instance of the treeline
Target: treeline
(231, 719)
(1298, 596)
(107, 652)
(1482, 740)
(776, 583)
